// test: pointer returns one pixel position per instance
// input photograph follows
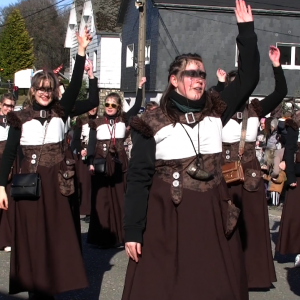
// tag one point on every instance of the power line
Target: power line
(35, 12)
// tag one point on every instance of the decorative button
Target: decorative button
(227, 156)
(33, 161)
(67, 162)
(104, 149)
(227, 151)
(253, 174)
(65, 175)
(33, 156)
(176, 183)
(104, 145)
(176, 175)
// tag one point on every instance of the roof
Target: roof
(106, 16)
(286, 5)
(79, 9)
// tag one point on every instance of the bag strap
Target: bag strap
(39, 157)
(243, 133)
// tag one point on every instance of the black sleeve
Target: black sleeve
(70, 95)
(82, 107)
(273, 100)
(139, 179)
(220, 87)
(91, 146)
(289, 153)
(76, 142)
(9, 154)
(240, 89)
(134, 110)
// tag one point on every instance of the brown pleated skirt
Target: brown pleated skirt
(289, 237)
(255, 232)
(46, 255)
(106, 221)
(185, 254)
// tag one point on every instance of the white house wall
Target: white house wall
(110, 66)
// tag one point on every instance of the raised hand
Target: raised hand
(274, 54)
(142, 81)
(243, 12)
(89, 69)
(221, 74)
(83, 41)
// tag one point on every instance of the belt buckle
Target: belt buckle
(43, 114)
(239, 115)
(190, 118)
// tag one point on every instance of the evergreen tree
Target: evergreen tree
(16, 47)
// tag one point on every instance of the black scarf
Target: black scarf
(185, 105)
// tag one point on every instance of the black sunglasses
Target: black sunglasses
(194, 74)
(45, 90)
(9, 105)
(113, 105)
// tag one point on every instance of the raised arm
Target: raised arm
(134, 110)
(240, 89)
(70, 95)
(273, 100)
(81, 107)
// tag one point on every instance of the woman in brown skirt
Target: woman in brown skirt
(177, 201)
(289, 238)
(46, 257)
(7, 104)
(250, 198)
(106, 141)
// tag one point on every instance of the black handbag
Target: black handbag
(100, 165)
(28, 186)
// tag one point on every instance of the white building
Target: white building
(100, 17)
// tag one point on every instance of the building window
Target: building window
(236, 64)
(130, 56)
(147, 52)
(289, 55)
(73, 63)
(95, 61)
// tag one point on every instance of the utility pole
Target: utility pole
(141, 5)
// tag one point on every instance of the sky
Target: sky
(4, 3)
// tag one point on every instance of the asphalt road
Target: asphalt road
(106, 271)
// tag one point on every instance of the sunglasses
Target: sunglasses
(112, 105)
(9, 105)
(43, 90)
(194, 74)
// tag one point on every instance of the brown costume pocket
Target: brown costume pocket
(230, 215)
(66, 178)
(252, 180)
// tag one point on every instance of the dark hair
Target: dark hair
(41, 77)
(230, 76)
(176, 68)
(8, 96)
(117, 97)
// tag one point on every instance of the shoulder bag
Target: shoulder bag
(233, 171)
